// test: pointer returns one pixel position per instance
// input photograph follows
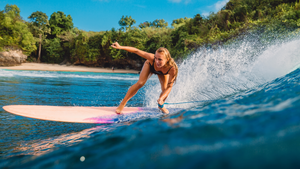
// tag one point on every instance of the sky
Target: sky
(103, 15)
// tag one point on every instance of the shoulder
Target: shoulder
(172, 71)
(150, 58)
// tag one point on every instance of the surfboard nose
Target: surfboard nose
(7, 107)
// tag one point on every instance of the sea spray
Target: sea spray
(277, 60)
(213, 73)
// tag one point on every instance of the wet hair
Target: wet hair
(170, 61)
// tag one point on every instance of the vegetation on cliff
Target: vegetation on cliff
(14, 32)
(62, 42)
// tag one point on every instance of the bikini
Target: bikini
(158, 73)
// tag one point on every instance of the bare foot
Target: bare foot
(119, 109)
(164, 110)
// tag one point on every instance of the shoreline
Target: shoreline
(65, 68)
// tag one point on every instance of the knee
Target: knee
(163, 89)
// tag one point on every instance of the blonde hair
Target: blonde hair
(170, 61)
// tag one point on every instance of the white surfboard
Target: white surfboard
(75, 114)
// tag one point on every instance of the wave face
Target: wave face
(210, 74)
(251, 121)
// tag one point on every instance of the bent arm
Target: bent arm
(143, 54)
(164, 94)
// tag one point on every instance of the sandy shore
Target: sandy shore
(72, 68)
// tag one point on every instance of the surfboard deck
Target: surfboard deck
(75, 114)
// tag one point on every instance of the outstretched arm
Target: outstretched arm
(143, 54)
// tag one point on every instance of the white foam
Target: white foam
(210, 74)
(46, 74)
(278, 60)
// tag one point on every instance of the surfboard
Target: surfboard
(77, 114)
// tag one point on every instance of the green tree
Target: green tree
(53, 51)
(180, 21)
(145, 25)
(40, 26)
(14, 32)
(159, 23)
(67, 39)
(60, 23)
(82, 52)
(3, 31)
(12, 10)
(126, 22)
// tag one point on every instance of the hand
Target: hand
(163, 109)
(116, 45)
(160, 101)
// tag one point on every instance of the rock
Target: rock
(12, 58)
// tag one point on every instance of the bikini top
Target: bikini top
(157, 72)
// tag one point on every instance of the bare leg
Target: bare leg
(163, 79)
(144, 75)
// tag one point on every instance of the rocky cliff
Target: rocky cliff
(12, 58)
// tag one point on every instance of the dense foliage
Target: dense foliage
(14, 32)
(68, 44)
(40, 26)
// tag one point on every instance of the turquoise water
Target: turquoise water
(252, 120)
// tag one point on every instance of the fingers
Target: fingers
(115, 45)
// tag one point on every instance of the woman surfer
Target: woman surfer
(160, 64)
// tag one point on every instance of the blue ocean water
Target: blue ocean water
(251, 121)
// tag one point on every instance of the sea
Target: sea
(240, 108)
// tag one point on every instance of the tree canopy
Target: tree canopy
(12, 10)
(159, 23)
(14, 33)
(40, 26)
(126, 22)
(60, 23)
(40, 22)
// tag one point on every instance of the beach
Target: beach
(71, 68)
